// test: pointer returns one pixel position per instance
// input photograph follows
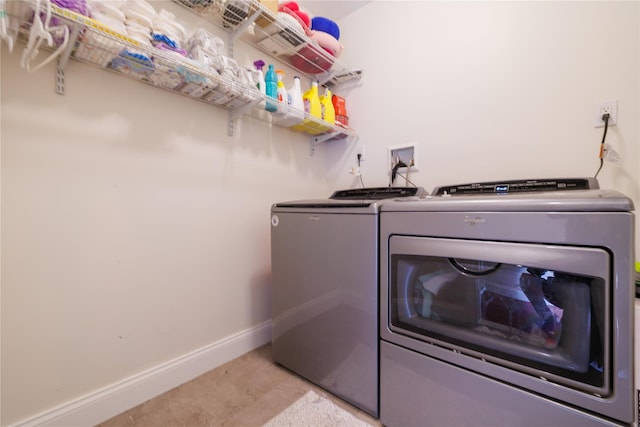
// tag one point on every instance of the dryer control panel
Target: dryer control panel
(518, 186)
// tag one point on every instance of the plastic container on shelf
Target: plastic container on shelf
(313, 108)
(262, 85)
(311, 100)
(328, 112)
(295, 107)
(271, 89)
(295, 101)
(340, 108)
(283, 100)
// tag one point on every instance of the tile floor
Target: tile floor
(247, 391)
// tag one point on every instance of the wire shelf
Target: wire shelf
(269, 32)
(95, 44)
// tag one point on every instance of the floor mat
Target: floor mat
(317, 411)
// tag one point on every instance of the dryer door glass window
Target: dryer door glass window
(538, 309)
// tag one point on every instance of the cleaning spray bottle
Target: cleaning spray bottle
(283, 99)
(328, 112)
(271, 89)
(312, 101)
(262, 87)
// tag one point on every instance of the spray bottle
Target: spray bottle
(283, 99)
(262, 87)
(271, 89)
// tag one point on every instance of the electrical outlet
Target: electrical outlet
(606, 107)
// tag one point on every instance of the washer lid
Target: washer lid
(353, 200)
(325, 204)
(378, 193)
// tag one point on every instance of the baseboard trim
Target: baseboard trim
(114, 399)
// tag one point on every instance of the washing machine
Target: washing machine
(324, 262)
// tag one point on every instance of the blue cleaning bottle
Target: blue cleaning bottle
(271, 83)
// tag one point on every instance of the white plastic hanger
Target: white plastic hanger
(8, 27)
(39, 32)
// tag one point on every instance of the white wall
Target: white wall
(496, 90)
(134, 231)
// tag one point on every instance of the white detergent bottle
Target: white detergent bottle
(296, 103)
(262, 86)
(295, 106)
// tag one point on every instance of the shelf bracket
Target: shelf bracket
(60, 78)
(239, 30)
(63, 59)
(324, 79)
(237, 112)
(319, 139)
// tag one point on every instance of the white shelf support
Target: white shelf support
(63, 59)
(319, 139)
(236, 113)
(59, 78)
(239, 31)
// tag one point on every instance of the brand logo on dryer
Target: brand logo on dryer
(473, 220)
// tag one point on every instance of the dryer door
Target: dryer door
(538, 309)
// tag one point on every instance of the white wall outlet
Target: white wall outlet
(604, 107)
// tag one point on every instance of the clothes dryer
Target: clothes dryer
(504, 305)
